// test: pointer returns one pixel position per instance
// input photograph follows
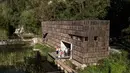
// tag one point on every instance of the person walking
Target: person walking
(62, 54)
(66, 52)
(59, 54)
(57, 50)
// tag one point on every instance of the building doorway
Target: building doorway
(44, 37)
(67, 49)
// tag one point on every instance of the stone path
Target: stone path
(60, 62)
(11, 41)
(54, 56)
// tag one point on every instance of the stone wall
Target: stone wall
(89, 38)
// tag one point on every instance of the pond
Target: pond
(20, 58)
(10, 70)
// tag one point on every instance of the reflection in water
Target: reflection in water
(39, 64)
(18, 60)
(10, 70)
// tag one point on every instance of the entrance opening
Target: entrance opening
(44, 35)
(66, 48)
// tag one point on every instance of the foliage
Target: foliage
(19, 13)
(4, 34)
(39, 64)
(116, 63)
(10, 57)
(22, 57)
(44, 49)
(27, 19)
(28, 13)
(73, 9)
(5, 16)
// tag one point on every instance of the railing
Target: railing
(11, 41)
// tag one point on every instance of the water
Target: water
(21, 59)
(10, 70)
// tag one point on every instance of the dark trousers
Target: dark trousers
(57, 52)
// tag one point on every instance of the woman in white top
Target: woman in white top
(66, 52)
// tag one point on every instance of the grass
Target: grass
(44, 49)
(3, 34)
(115, 63)
(13, 57)
(27, 60)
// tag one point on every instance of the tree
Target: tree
(73, 9)
(28, 20)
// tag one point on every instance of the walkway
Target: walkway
(11, 41)
(60, 63)
(54, 56)
(64, 67)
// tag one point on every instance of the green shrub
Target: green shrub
(115, 63)
(44, 49)
(3, 34)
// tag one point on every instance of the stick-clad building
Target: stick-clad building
(88, 40)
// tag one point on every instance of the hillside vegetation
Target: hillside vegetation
(115, 63)
(4, 34)
(30, 13)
